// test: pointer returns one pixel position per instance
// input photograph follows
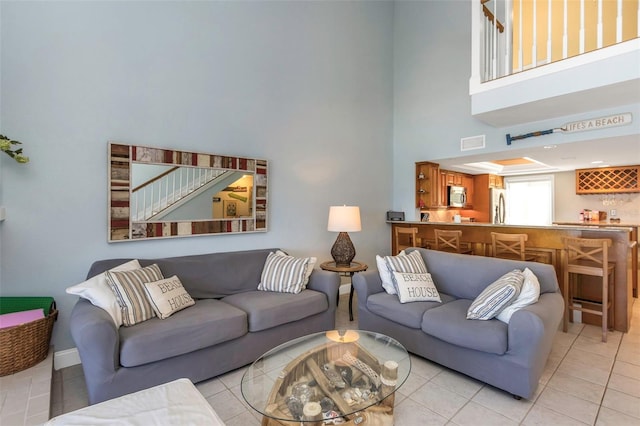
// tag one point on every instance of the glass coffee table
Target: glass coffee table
(346, 377)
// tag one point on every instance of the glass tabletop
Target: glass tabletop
(330, 375)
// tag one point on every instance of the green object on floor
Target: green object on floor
(19, 304)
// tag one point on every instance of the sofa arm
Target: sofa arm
(326, 282)
(367, 283)
(97, 340)
(532, 328)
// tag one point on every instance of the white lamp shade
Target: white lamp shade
(344, 219)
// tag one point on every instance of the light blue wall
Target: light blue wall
(320, 89)
(305, 85)
(432, 65)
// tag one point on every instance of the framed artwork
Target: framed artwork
(230, 208)
(130, 168)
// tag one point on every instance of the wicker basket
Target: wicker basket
(25, 345)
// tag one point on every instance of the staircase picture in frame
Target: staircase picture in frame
(163, 193)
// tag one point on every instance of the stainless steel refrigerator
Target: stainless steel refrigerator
(498, 210)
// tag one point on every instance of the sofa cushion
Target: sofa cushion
(96, 290)
(168, 296)
(310, 265)
(269, 309)
(385, 274)
(409, 314)
(496, 296)
(204, 324)
(214, 275)
(415, 287)
(412, 262)
(448, 323)
(529, 294)
(128, 286)
(284, 274)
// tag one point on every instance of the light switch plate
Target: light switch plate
(612, 212)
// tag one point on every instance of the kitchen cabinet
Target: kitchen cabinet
(443, 188)
(496, 181)
(432, 182)
(468, 182)
(482, 185)
(427, 185)
(608, 180)
(450, 178)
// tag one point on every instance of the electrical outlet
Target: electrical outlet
(612, 212)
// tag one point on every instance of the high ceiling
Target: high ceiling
(618, 151)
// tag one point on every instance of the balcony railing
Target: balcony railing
(517, 35)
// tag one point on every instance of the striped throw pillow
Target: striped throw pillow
(497, 296)
(128, 286)
(385, 274)
(284, 274)
(412, 263)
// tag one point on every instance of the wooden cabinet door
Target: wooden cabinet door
(443, 188)
(467, 182)
(496, 181)
(427, 189)
(434, 195)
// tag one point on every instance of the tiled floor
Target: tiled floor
(585, 382)
(25, 396)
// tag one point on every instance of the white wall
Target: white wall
(567, 204)
(305, 85)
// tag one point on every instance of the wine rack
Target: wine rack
(608, 180)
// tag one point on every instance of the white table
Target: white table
(175, 403)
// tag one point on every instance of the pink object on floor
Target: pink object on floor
(18, 318)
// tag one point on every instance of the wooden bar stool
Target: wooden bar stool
(450, 241)
(510, 246)
(405, 238)
(588, 256)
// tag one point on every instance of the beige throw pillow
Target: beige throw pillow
(128, 286)
(284, 274)
(385, 274)
(412, 263)
(168, 296)
(310, 265)
(97, 291)
(496, 296)
(528, 295)
(415, 287)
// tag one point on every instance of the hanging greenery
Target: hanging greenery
(7, 143)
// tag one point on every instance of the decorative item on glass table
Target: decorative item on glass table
(329, 383)
(344, 219)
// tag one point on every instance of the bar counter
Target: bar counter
(545, 242)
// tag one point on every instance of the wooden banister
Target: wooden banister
(490, 16)
(150, 181)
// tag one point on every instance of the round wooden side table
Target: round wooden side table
(350, 270)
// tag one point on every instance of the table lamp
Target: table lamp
(343, 219)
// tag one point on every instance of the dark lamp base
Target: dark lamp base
(343, 250)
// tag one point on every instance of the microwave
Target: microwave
(456, 196)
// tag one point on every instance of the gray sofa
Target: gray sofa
(230, 325)
(509, 356)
